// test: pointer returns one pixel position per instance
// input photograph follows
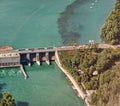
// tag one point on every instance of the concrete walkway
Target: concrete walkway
(80, 92)
(76, 86)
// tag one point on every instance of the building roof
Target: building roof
(95, 73)
(9, 54)
(6, 48)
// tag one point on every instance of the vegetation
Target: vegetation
(111, 29)
(108, 93)
(97, 70)
(7, 100)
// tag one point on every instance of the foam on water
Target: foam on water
(10, 72)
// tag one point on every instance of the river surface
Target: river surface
(83, 19)
(45, 23)
(46, 86)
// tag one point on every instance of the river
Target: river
(35, 23)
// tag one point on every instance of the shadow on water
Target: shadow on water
(67, 34)
(2, 86)
(19, 103)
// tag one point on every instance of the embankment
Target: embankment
(80, 93)
(76, 86)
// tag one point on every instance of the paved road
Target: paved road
(60, 48)
(51, 49)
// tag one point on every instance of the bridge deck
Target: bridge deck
(53, 49)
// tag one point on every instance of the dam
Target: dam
(13, 58)
(10, 57)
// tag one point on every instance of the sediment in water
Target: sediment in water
(69, 36)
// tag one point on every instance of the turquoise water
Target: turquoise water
(33, 23)
(46, 86)
(30, 23)
(83, 19)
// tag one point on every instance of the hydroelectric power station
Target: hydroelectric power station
(10, 57)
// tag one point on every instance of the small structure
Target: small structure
(9, 57)
(95, 73)
(91, 41)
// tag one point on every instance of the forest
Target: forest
(95, 69)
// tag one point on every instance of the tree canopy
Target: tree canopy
(7, 100)
(110, 32)
(106, 83)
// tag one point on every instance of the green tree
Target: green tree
(111, 29)
(7, 100)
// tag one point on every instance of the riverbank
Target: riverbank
(76, 86)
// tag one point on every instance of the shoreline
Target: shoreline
(81, 94)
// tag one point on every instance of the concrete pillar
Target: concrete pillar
(38, 58)
(28, 56)
(28, 59)
(47, 58)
